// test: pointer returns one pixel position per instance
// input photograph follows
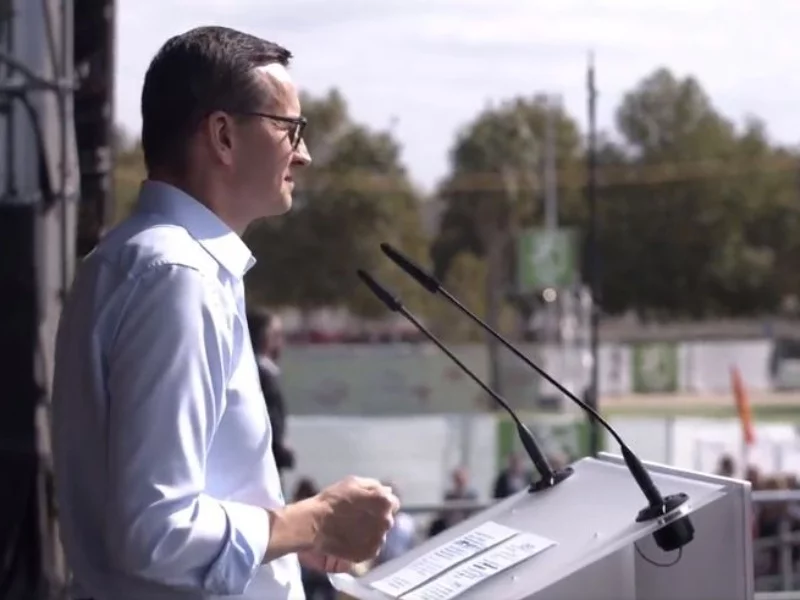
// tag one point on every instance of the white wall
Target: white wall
(698, 443)
(418, 453)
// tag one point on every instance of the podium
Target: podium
(580, 539)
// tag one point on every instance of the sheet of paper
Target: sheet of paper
(437, 561)
(477, 569)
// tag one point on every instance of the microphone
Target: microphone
(548, 477)
(672, 536)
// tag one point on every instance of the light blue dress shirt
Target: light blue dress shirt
(161, 436)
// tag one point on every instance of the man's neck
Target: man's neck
(206, 192)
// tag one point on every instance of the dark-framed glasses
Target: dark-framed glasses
(297, 125)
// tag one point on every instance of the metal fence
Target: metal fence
(782, 583)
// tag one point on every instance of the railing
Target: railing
(785, 585)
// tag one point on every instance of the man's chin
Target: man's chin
(279, 207)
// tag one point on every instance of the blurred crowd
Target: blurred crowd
(772, 521)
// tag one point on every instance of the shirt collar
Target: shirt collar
(219, 240)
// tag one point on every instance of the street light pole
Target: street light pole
(592, 256)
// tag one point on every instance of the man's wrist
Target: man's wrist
(293, 528)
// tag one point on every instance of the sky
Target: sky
(425, 68)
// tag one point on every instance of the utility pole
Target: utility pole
(593, 268)
(550, 183)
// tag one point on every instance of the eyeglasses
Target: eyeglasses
(298, 125)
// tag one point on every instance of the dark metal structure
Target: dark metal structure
(39, 200)
(593, 258)
(94, 116)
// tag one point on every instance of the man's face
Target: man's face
(266, 157)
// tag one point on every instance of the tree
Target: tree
(355, 195)
(492, 190)
(466, 279)
(694, 219)
(495, 183)
(129, 172)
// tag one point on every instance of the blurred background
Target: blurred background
(615, 186)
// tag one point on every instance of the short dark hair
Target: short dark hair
(194, 74)
(258, 320)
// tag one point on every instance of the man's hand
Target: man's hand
(324, 563)
(353, 518)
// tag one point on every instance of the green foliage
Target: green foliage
(466, 279)
(698, 217)
(129, 173)
(705, 217)
(354, 196)
(494, 182)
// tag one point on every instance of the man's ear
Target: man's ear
(221, 135)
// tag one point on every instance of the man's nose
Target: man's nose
(302, 157)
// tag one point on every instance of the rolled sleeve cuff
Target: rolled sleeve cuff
(246, 541)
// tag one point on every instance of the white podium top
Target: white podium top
(529, 542)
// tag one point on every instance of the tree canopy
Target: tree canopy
(704, 219)
(354, 196)
(698, 214)
(698, 217)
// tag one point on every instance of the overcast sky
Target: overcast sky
(426, 67)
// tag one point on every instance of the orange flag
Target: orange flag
(743, 406)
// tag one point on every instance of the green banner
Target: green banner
(546, 258)
(655, 367)
(563, 436)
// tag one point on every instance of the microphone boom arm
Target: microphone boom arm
(548, 476)
(673, 536)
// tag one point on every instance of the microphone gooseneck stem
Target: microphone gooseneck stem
(531, 447)
(430, 283)
(670, 537)
(548, 477)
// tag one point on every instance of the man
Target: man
(726, 466)
(512, 479)
(167, 487)
(461, 491)
(266, 334)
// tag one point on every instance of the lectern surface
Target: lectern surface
(530, 540)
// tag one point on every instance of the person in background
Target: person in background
(512, 479)
(401, 537)
(304, 489)
(266, 334)
(726, 467)
(460, 491)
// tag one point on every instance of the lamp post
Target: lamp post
(592, 256)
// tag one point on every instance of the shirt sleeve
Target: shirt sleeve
(167, 371)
